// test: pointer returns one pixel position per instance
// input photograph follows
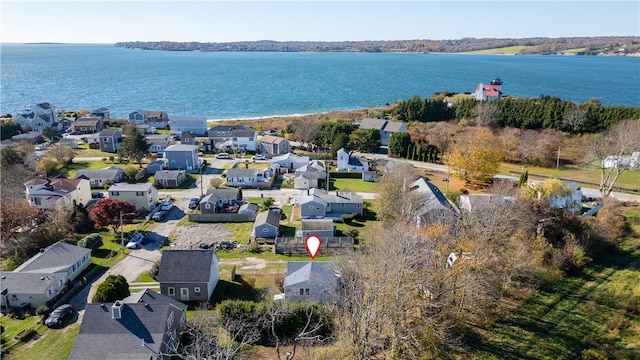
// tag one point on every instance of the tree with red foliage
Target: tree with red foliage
(107, 212)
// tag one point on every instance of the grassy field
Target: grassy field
(56, 342)
(510, 50)
(596, 312)
(356, 185)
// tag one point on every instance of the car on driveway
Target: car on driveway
(223, 156)
(159, 215)
(135, 241)
(97, 195)
(166, 206)
(58, 315)
(258, 157)
(193, 202)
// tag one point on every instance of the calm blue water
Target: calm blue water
(251, 84)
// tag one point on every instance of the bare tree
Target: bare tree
(612, 150)
(393, 189)
(485, 114)
(61, 153)
(574, 117)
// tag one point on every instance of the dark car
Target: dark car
(97, 195)
(58, 315)
(193, 202)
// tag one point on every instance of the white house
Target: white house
(347, 163)
(289, 161)
(143, 196)
(197, 125)
(38, 117)
(233, 138)
(46, 194)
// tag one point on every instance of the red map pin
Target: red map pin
(313, 244)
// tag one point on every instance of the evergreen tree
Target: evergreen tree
(134, 145)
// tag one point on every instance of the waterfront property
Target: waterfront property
(87, 125)
(233, 138)
(384, 126)
(39, 116)
(197, 125)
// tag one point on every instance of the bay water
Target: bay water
(231, 85)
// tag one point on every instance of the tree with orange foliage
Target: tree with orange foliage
(476, 157)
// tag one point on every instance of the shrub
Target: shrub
(348, 218)
(155, 268)
(43, 310)
(112, 289)
(92, 241)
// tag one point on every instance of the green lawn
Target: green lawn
(240, 232)
(599, 309)
(356, 185)
(56, 342)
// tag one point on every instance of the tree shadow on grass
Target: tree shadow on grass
(103, 253)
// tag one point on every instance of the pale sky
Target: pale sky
(92, 21)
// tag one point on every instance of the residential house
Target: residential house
(183, 157)
(110, 140)
(155, 166)
(103, 177)
(159, 145)
(187, 138)
(489, 91)
(70, 142)
(169, 178)
(46, 275)
(480, 202)
(38, 117)
(432, 205)
(102, 113)
(32, 137)
(218, 199)
(569, 198)
(248, 208)
(157, 119)
(385, 127)
(308, 176)
(348, 163)
(244, 177)
(266, 225)
(143, 196)
(312, 281)
(318, 204)
(289, 162)
(87, 125)
(144, 326)
(233, 137)
(274, 145)
(188, 275)
(197, 125)
(144, 129)
(47, 194)
(323, 228)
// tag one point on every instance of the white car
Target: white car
(166, 206)
(135, 241)
(258, 157)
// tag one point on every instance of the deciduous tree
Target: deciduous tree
(114, 287)
(106, 212)
(61, 153)
(475, 158)
(49, 132)
(365, 140)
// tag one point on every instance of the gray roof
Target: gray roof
(432, 197)
(317, 224)
(213, 195)
(130, 187)
(268, 217)
(242, 173)
(102, 337)
(371, 123)
(188, 118)
(243, 133)
(185, 266)
(181, 147)
(316, 272)
(324, 197)
(108, 173)
(249, 206)
(168, 174)
(28, 282)
(54, 258)
(109, 132)
(287, 156)
(230, 128)
(393, 126)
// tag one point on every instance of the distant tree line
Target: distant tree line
(537, 45)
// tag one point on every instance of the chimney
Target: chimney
(116, 310)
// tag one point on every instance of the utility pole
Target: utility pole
(558, 159)
(122, 229)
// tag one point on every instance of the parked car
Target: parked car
(135, 241)
(40, 147)
(258, 157)
(193, 202)
(166, 206)
(58, 315)
(223, 156)
(158, 216)
(97, 195)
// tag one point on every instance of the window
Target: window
(115, 193)
(171, 291)
(183, 319)
(139, 193)
(342, 205)
(311, 207)
(207, 205)
(61, 282)
(265, 230)
(306, 291)
(170, 320)
(196, 289)
(49, 291)
(36, 200)
(250, 139)
(301, 291)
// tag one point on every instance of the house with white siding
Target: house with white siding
(197, 125)
(47, 194)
